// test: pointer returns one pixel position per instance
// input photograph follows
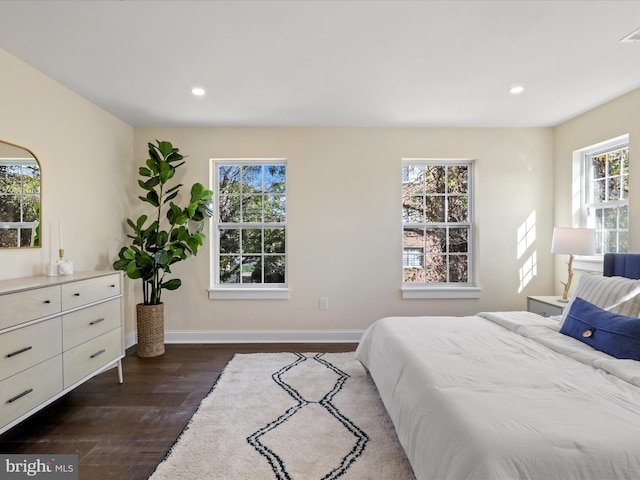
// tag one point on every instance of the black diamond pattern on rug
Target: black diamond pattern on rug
(313, 426)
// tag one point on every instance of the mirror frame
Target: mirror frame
(40, 216)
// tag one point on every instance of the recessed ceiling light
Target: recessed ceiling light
(197, 91)
(516, 90)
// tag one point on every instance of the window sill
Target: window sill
(591, 264)
(249, 294)
(440, 292)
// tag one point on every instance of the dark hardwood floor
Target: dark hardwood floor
(124, 431)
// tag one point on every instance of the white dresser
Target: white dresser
(56, 333)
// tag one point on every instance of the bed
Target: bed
(513, 395)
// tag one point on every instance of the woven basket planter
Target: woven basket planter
(150, 322)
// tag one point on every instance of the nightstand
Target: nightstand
(545, 305)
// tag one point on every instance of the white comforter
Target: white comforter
(504, 396)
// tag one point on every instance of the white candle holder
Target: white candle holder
(52, 268)
(65, 267)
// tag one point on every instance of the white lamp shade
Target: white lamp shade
(574, 241)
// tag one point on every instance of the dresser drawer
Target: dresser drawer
(90, 356)
(83, 325)
(28, 346)
(80, 293)
(19, 307)
(28, 389)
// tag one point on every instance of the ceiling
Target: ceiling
(332, 63)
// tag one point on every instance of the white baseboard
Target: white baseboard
(257, 336)
(130, 340)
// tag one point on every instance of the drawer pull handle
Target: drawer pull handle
(98, 353)
(112, 285)
(20, 395)
(76, 294)
(17, 352)
(96, 321)
(47, 301)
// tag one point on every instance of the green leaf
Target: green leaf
(173, 214)
(196, 191)
(193, 243)
(162, 257)
(165, 148)
(145, 199)
(149, 234)
(177, 217)
(191, 209)
(174, 157)
(170, 197)
(152, 198)
(149, 184)
(173, 189)
(163, 172)
(132, 271)
(199, 193)
(153, 164)
(172, 284)
(162, 238)
(140, 222)
(121, 264)
(144, 172)
(182, 233)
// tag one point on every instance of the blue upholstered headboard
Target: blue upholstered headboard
(621, 265)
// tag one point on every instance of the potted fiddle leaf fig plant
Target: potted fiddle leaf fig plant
(170, 235)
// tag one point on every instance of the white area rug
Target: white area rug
(289, 416)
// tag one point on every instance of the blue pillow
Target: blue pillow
(611, 333)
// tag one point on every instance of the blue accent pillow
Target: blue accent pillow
(611, 333)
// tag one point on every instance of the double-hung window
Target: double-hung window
(250, 229)
(606, 198)
(437, 217)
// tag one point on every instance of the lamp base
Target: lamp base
(562, 300)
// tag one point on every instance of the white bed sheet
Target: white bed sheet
(504, 396)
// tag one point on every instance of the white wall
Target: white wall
(345, 225)
(86, 159)
(615, 118)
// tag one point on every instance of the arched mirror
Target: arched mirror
(20, 197)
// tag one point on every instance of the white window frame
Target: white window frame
(235, 291)
(468, 289)
(584, 155)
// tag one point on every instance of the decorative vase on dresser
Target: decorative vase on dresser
(55, 334)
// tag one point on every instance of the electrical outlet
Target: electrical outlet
(324, 303)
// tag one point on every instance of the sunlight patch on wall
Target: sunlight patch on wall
(526, 236)
(528, 270)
